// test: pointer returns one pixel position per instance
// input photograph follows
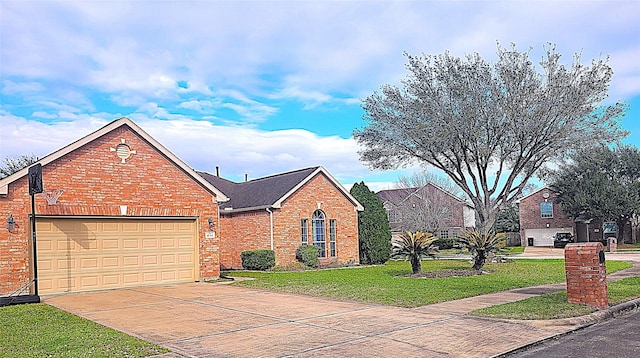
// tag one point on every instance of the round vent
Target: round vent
(123, 151)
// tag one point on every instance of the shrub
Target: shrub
(308, 255)
(374, 234)
(480, 244)
(258, 259)
(445, 244)
(414, 247)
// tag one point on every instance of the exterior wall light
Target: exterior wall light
(211, 225)
(11, 224)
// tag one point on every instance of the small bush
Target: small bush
(308, 255)
(446, 244)
(258, 259)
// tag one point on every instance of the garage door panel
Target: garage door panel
(149, 243)
(110, 262)
(108, 227)
(544, 237)
(130, 227)
(133, 255)
(111, 280)
(110, 244)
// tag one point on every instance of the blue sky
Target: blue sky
(262, 87)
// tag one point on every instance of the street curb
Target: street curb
(587, 320)
(579, 323)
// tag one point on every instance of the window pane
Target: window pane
(332, 237)
(318, 228)
(304, 223)
(546, 209)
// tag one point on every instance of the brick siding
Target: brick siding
(586, 275)
(531, 217)
(97, 183)
(250, 231)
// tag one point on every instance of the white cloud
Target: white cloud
(202, 145)
(243, 64)
(11, 87)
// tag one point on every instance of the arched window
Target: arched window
(318, 232)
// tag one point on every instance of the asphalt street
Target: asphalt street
(618, 337)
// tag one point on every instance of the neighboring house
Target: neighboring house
(128, 213)
(283, 211)
(428, 208)
(541, 218)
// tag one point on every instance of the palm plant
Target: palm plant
(480, 244)
(414, 246)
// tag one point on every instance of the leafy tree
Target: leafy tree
(374, 233)
(600, 183)
(489, 126)
(507, 220)
(415, 246)
(11, 165)
(480, 244)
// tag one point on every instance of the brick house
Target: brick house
(446, 212)
(541, 218)
(130, 213)
(283, 211)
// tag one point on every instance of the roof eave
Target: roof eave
(253, 208)
(337, 184)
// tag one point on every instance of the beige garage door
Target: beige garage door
(92, 254)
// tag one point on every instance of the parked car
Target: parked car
(561, 239)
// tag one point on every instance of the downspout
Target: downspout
(271, 225)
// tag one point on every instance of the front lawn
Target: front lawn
(389, 284)
(555, 305)
(40, 330)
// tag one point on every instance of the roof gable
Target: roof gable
(4, 183)
(397, 196)
(533, 193)
(271, 191)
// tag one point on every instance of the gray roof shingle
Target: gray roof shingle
(257, 193)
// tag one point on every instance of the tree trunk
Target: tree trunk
(621, 224)
(479, 260)
(415, 264)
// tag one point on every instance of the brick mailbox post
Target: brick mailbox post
(586, 274)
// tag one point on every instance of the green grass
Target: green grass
(386, 284)
(512, 250)
(40, 330)
(555, 305)
(623, 290)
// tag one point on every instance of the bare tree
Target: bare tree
(427, 215)
(426, 210)
(489, 127)
(422, 178)
(12, 165)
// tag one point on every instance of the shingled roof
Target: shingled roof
(267, 192)
(398, 196)
(395, 196)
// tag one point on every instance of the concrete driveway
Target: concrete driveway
(217, 320)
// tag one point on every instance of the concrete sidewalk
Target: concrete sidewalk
(216, 320)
